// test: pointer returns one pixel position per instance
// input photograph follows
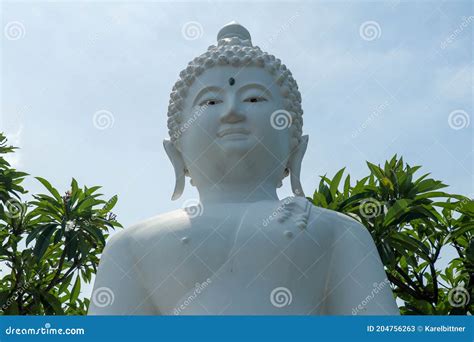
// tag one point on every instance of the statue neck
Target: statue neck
(237, 193)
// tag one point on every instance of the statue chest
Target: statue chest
(240, 262)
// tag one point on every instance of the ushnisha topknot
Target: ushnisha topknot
(234, 47)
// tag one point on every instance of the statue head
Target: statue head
(235, 118)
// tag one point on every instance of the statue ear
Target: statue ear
(294, 164)
(179, 169)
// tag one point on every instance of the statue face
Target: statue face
(227, 127)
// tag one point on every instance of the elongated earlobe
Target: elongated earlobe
(294, 165)
(179, 168)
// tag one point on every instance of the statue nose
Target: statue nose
(232, 114)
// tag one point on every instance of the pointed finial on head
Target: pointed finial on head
(234, 30)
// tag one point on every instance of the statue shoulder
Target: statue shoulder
(341, 227)
(337, 225)
(149, 230)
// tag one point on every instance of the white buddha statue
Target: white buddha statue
(235, 124)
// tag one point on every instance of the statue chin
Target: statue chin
(235, 122)
(236, 144)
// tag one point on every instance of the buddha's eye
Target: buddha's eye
(255, 99)
(211, 102)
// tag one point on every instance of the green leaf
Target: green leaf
(71, 246)
(12, 309)
(429, 185)
(76, 289)
(462, 230)
(387, 183)
(411, 244)
(376, 170)
(110, 204)
(86, 204)
(394, 212)
(95, 232)
(34, 233)
(43, 241)
(74, 186)
(347, 186)
(335, 182)
(51, 303)
(50, 188)
(64, 284)
(4, 296)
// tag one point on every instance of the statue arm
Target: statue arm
(117, 288)
(357, 283)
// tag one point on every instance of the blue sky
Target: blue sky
(401, 85)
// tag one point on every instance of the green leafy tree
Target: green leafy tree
(411, 222)
(50, 245)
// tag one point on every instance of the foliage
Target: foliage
(411, 222)
(50, 245)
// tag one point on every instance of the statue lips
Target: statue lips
(239, 133)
